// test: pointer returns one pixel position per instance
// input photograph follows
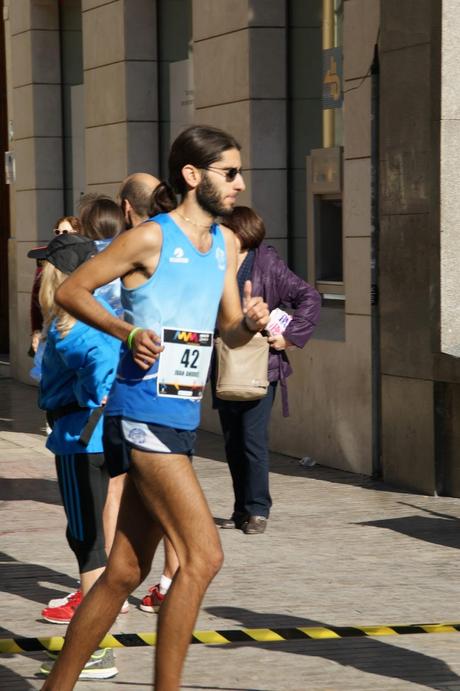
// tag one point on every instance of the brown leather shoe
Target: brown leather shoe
(255, 525)
(236, 520)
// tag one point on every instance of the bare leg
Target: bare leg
(137, 537)
(171, 560)
(88, 579)
(169, 485)
(111, 509)
(160, 489)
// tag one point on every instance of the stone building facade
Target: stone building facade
(359, 197)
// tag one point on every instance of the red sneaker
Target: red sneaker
(152, 601)
(64, 613)
(59, 601)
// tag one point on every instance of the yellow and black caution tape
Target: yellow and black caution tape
(132, 640)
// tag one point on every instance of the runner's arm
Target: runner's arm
(238, 325)
(134, 249)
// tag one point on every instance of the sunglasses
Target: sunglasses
(228, 173)
(56, 231)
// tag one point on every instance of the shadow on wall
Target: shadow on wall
(210, 445)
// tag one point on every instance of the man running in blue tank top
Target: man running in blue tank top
(179, 274)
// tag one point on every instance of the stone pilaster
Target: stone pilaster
(239, 57)
(120, 79)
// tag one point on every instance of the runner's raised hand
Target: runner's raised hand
(255, 310)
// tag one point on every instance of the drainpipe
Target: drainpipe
(375, 232)
(328, 42)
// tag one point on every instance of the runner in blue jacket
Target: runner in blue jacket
(78, 369)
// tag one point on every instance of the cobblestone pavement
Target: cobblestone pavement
(339, 550)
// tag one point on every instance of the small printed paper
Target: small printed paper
(279, 319)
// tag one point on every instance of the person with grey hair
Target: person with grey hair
(135, 198)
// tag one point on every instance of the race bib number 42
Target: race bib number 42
(184, 363)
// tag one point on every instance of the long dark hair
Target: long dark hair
(102, 218)
(163, 199)
(198, 145)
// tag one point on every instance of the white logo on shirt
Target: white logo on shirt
(220, 256)
(178, 257)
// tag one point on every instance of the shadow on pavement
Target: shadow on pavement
(365, 654)
(437, 528)
(19, 411)
(221, 688)
(30, 489)
(24, 579)
(10, 679)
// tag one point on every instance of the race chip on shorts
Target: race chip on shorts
(184, 363)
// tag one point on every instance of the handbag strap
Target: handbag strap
(245, 271)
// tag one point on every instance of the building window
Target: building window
(315, 152)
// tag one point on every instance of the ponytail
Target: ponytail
(163, 199)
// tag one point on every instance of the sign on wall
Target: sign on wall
(332, 78)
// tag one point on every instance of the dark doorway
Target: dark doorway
(4, 201)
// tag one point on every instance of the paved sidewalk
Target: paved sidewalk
(339, 550)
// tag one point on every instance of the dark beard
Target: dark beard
(209, 200)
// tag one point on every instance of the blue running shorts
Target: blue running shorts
(121, 435)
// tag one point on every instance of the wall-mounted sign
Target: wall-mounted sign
(326, 170)
(10, 168)
(332, 78)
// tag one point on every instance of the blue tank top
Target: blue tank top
(183, 295)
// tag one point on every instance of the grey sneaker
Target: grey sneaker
(101, 665)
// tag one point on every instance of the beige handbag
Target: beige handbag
(242, 373)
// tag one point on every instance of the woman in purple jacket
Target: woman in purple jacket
(245, 423)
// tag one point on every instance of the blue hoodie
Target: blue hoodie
(111, 291)
(80, 367)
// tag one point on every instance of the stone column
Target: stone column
(450, 164)
(37, 196)
(120, 81)
(409, 244)
(239, 56)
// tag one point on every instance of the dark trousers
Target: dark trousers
(245, 428)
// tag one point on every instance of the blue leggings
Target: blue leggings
(83, 482)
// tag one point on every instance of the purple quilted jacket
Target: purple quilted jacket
(280, 287)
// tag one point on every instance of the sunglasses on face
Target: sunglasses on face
(57, 231)
(228, 173)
